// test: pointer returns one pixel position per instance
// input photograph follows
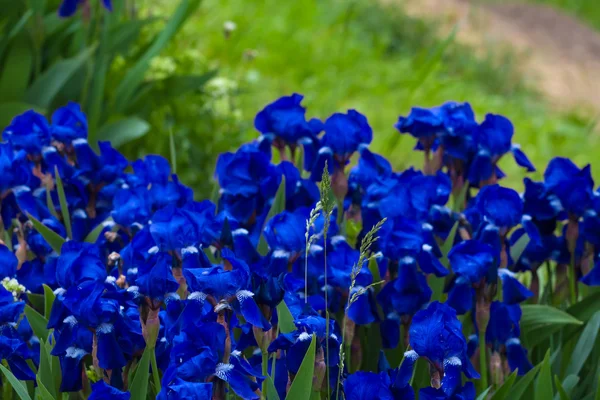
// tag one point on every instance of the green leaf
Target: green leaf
(10, 110)
(484, 394)
(136, 74)
(50, 204)
(14, 31)
(51, 237)
(447, 246)
(93, 235)
(50, 83)
(502, 392)
(374, 269)
(44, 375)
(36, 300)
(538, 322)
(17, 70)
(14, 382)
(584, 345)
(177, 85)
(301, 388)
(123, 131)
(48, 301)
(517, 249)
(43, 392)
(271, 390)
(277, 207)
(56, 371)
(543, 384)
(285, 318)
(299, 158)
(64, 207)
(122, 37)
(38, 323)
(564, 389)
(523, 383)
(139, 386)
(173, 152)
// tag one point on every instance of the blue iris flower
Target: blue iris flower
(155, 278)
(592, 278)
(13, 167)
(503, 330)
(344, 133)
(8, 262)
(79, 262)
(105, 168)
(513, 291)
(494, 139)
(69, 7)
(69, 123)
(29, 131)
(299, 192)
(436, 333)
(367, 385)
(573, 186)
(285, 118)
(285, 231)
(102, 391)
(467, 392)
(15, 352)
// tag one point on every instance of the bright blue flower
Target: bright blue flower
(344, 133)
(79, 262)
(99, 169)
(466, 392)
(285, 118)
(363, 310)
(423, 122)
(472, 259)
(69, 123)
(370, 167)
(29, 131)
(367, 385)
(173, 228)
(8, 262)
(155, 278)
(436, 333)
(299, 192)
(15, 352)
(406, 294)
(13, 167)
(500, 206)
(130, 206)
(503, 324)
(517, 357)
(285, 231)
(179, 389)
(10, 310)
(572, 186)
(102, 391)
(513, 291)
(70, 365)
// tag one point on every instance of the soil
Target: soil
(559, 53)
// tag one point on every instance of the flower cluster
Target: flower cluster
(233, 294)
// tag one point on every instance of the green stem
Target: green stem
(483, 366)
(572, 280)
(155, 374)
(265, 372)
(326, 312)
(550, 287)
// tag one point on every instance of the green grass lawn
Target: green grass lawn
(356, 54)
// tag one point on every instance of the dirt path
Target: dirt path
(559, 52)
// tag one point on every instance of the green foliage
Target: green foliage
(139, 386)
(285, 318)
(301, 388)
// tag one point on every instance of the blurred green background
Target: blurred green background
(201, 77)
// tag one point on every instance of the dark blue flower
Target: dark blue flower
(69, 7)
(285, 231)
(501, 207)
(422, 122)
(344, 133)
(513, 291)
(472, 259)
(285, 118)
(155, 278)
(367, 385)
(466, 392)
(436, 333)
(173, 228)
(79, 262)
(406, 294)
(179, 389)
(69, 123)
(8, 262)
(572, 186)
(102, 391)
(13, 167)
(99, 169)
(15, 352)
(29, 131)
